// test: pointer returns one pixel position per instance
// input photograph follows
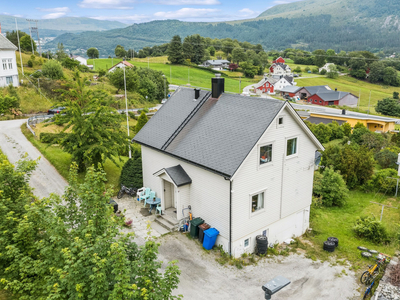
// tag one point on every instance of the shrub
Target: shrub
(102, 72)
(297, 70)
(381, 183)
(52, 138)
(323, 72)
(387, 158)
(371, 229)
(142, 120)
(7, 104)
(30, 63)
(346, 129)
(331, 187)
(52, 69)
(131, 174)
(358, 133)
(315, 70)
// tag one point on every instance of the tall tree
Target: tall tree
(390, 77)
(377, 71)
(238, 55)
(92, 53)
(61, 52)
(188, 48)
(330, 55)
(13, 38)
(26, 43)
(198, 48)
(175, 55)
(120, 51)
(319, 57)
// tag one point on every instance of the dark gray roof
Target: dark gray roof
(291, 89)
(5, 44)
(284, 66)
(316, 120)
(218, 136)
(289, 78)
(217, 62)
(178, 175)
(317, 88)
(331, 95)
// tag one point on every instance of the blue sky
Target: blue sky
(137, 11)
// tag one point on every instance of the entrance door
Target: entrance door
(168, 194)
(331, 102)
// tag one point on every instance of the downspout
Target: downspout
(230, 217)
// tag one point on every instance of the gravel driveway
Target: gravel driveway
(45, 179)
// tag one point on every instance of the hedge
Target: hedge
(53, 138)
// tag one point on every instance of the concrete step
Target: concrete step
(159, 228)
(167, 225)
(172, 221)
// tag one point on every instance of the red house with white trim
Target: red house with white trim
(279, 60)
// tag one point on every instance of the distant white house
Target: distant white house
(82, 60)
(217, 64)
(280, 69)
(8, 60)
(326, 67)
(121, 64)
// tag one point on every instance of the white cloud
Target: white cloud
(187, 2)
(188, 13)
(53, 15)
(248, 13)
(55, 12)
(107, 4)
(285, 1)
(125, 19)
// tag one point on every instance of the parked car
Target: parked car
(163, 100)
(295, 75)
(55, 110)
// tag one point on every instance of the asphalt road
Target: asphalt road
(45, 179)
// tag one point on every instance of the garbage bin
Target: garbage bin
(194, 227)
(114, 204)
(203, 227)
(210, 236)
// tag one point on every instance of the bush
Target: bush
(386, 158)
(323, 72)
(52, 138)
(371, 229)
(315, 70)
(7, 104)
(30, 63)
(331, 187)
(52, 69)
(381, 183)
(102, 72)
(131, 174)
(142, 120)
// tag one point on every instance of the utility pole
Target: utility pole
(165, 88)
(148, 62)
(35, 29)
(38, 83)
(127, 117)
(30, 34)
(188, 75)
(170, 72)
(369, 102)
(359, 99)
(19, 47)
(240, 81)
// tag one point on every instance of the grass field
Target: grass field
(182, 75)
(338, 222)
(354, 86)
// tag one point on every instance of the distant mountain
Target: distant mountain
(56, 27)
(312, 24)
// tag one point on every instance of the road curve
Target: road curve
(45, 179)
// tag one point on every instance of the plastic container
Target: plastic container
(203, 227)
(210, 236)
(194, 227)
(114, 204)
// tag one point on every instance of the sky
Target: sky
(138, 11)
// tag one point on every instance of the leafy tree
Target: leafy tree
(387, 158)
(377, 71)
(358, 133)
(381, 183)
(359, 125)
(142, 120)
(131, 174)
(175, 54)
(188, 48)
(323, 72)
(332, 73)
(60, 52)
(198, 48)
(8, 104)
(13, 38)
(238, 55)
(337, 131)
(346, 127)
(330, 56)
(92, 53)
(249, 70)
(388, 106)
(70, 63)
(211, 49)
(322, 132)
(117, 79)
(390, 77)
(206, 56)
(297, 69)
(26, 43)
(263, 57)
(233, 67)
(373, 141)
(396, 95)
(319, 58)
(120, 51)
(358, 66)
(94, 136)
(331, 187)
(52, 69)
(228, 46)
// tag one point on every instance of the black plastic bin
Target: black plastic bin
(203, 227)
(194, 227)
(114, 204)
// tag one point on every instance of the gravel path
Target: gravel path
(45, 179)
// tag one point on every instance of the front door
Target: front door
(169, 194)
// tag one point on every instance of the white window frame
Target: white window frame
(8, 78)
(270, 163)
(255, 213)
(283, 121)
(297, 147)
(4, 62)
(249, 243)
(10, 66)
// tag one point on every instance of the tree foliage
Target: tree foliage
(331, 187)
(8, 104)
(71, 247)
(371, 229)
(131, 173)
(13, 38)
(26, 43)
(52, 69)
(387, 158)
(142, 120)
(92, 52)
(389, 107)
(175, 54)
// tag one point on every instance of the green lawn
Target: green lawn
(62, 161)
(354, 86)
(182, 75)
(338, 222)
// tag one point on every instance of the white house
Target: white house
(217, 64)
(280, 69)
(243, 164)
(82, 60)
(326, 67)
(121, 64)
(8, 59)
(269, 84)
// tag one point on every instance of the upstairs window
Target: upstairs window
(291, 147)
(10, 64)
(4, 64)
(257, 202)
(265, 154)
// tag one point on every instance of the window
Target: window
(291, 148)
(247, 243)
(320, 101)
(315, 100)
(265, 154)
(280, 121)
(257, 202)
(9, 80)
(4, 64)
(10, 64)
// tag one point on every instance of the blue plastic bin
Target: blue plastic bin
(210, 236)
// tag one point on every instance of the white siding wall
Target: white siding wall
(208, 194)
(349, 100)
(13, 72)
(281, 203)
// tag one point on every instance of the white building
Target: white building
(82, 60)
(326, 67)
(243, 164)
(280, 69)
(8, 60)
(121, 64)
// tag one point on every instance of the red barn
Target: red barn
(278, 60)
(333, 98)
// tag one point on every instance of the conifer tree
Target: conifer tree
(174, 51)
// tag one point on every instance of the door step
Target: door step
(166, 224)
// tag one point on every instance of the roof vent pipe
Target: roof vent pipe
(343, 111)
(335, 89)
(217, 86)
(196, 94)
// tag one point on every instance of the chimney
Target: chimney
(196, 94)
(335, 89)
(343, 111)
(217, 86)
